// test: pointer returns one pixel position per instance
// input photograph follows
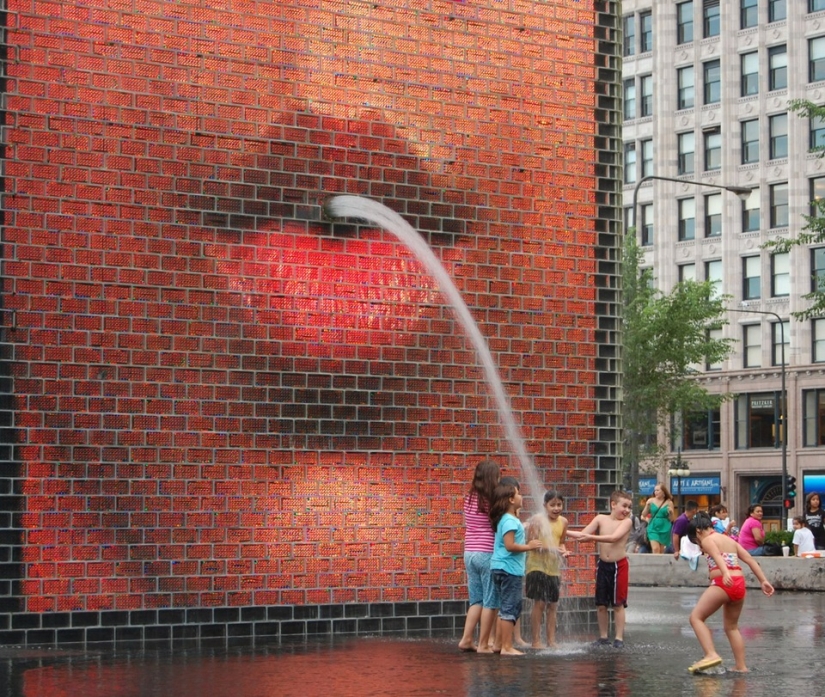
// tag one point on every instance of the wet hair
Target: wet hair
(808, 498)
(717, 509)
(484, 483)
(510, 480)
(619, 494)
(801, 520)
(701, 521)
(753, 507)
(505, 490)
(552, 494)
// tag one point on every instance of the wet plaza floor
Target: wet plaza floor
(784, 637)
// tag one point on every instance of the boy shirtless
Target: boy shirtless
(611, 533)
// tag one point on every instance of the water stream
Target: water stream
(378, 214)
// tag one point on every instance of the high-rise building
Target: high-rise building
(707, 86)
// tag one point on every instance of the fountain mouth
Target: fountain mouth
(359, 208)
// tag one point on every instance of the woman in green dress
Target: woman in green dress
(662, 514)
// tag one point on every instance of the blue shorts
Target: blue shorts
(479, 579)
(509, 590)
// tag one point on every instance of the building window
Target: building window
(687, 146)
(816, 5)
(817, 268)
(713, 82)
(818, 337)
(781, 342)
(687, 219)
(817, 194)
(816, 59)
(684, 22)
(628, 219)
(778, 67)
(629, 163)
(780, 275)
(714, 335)
(751, 278)
(701, 431)
(778, 132)
(647, 225)
(647, 157)
(757, 418)
(750, 73)
(646, 31)
(713, 215)
(687, 272)
(710, 18)
(779, 205)
(748, 14)
(629, 24)
(750, 141)
(713, 149)
(813, 416)
(752, 345)
(817, 140)
(750, 212)
(713, 273)
(777, 10)
(685, 79)
(647, 95)
(630, 99)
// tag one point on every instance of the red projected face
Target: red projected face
(226, 399)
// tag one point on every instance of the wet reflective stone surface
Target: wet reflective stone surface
(783, 634)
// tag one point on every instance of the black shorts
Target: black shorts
(540, 586)
(612, 582)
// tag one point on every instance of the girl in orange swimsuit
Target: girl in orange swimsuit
(727, 590)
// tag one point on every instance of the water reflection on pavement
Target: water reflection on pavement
(783, 634)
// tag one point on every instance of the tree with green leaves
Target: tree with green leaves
(814, 230)
(663, 336)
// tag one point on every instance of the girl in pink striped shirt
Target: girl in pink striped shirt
(478, 548)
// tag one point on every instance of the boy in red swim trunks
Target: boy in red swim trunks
(727, 590)
(612, 574)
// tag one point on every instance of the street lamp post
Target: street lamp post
(783, 409)
(741, 191)
(679, 468)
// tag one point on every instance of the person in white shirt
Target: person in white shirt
(803, 538)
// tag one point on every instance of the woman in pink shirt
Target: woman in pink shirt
(478, 548)
(752, 534)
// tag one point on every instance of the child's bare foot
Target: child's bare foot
(538, 645)
(485, 649)
(740, 670)
(520, 643)
(467, 646)
(511, 652)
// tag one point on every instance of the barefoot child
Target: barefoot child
(611, 533)
(507, 563)
(543, 580)
(727, 590)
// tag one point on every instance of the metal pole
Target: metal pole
(739, 191)
(783, 410)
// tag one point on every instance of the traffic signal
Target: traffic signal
(790, 487)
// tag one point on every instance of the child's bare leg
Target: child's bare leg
(712, 599)
(488, 621)
(497, 636)
(536, 616)
(604, 621)
(517, 640)
(551, 623)
(473, 617)
(737, 644)
(507, 631)
(619, 621)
